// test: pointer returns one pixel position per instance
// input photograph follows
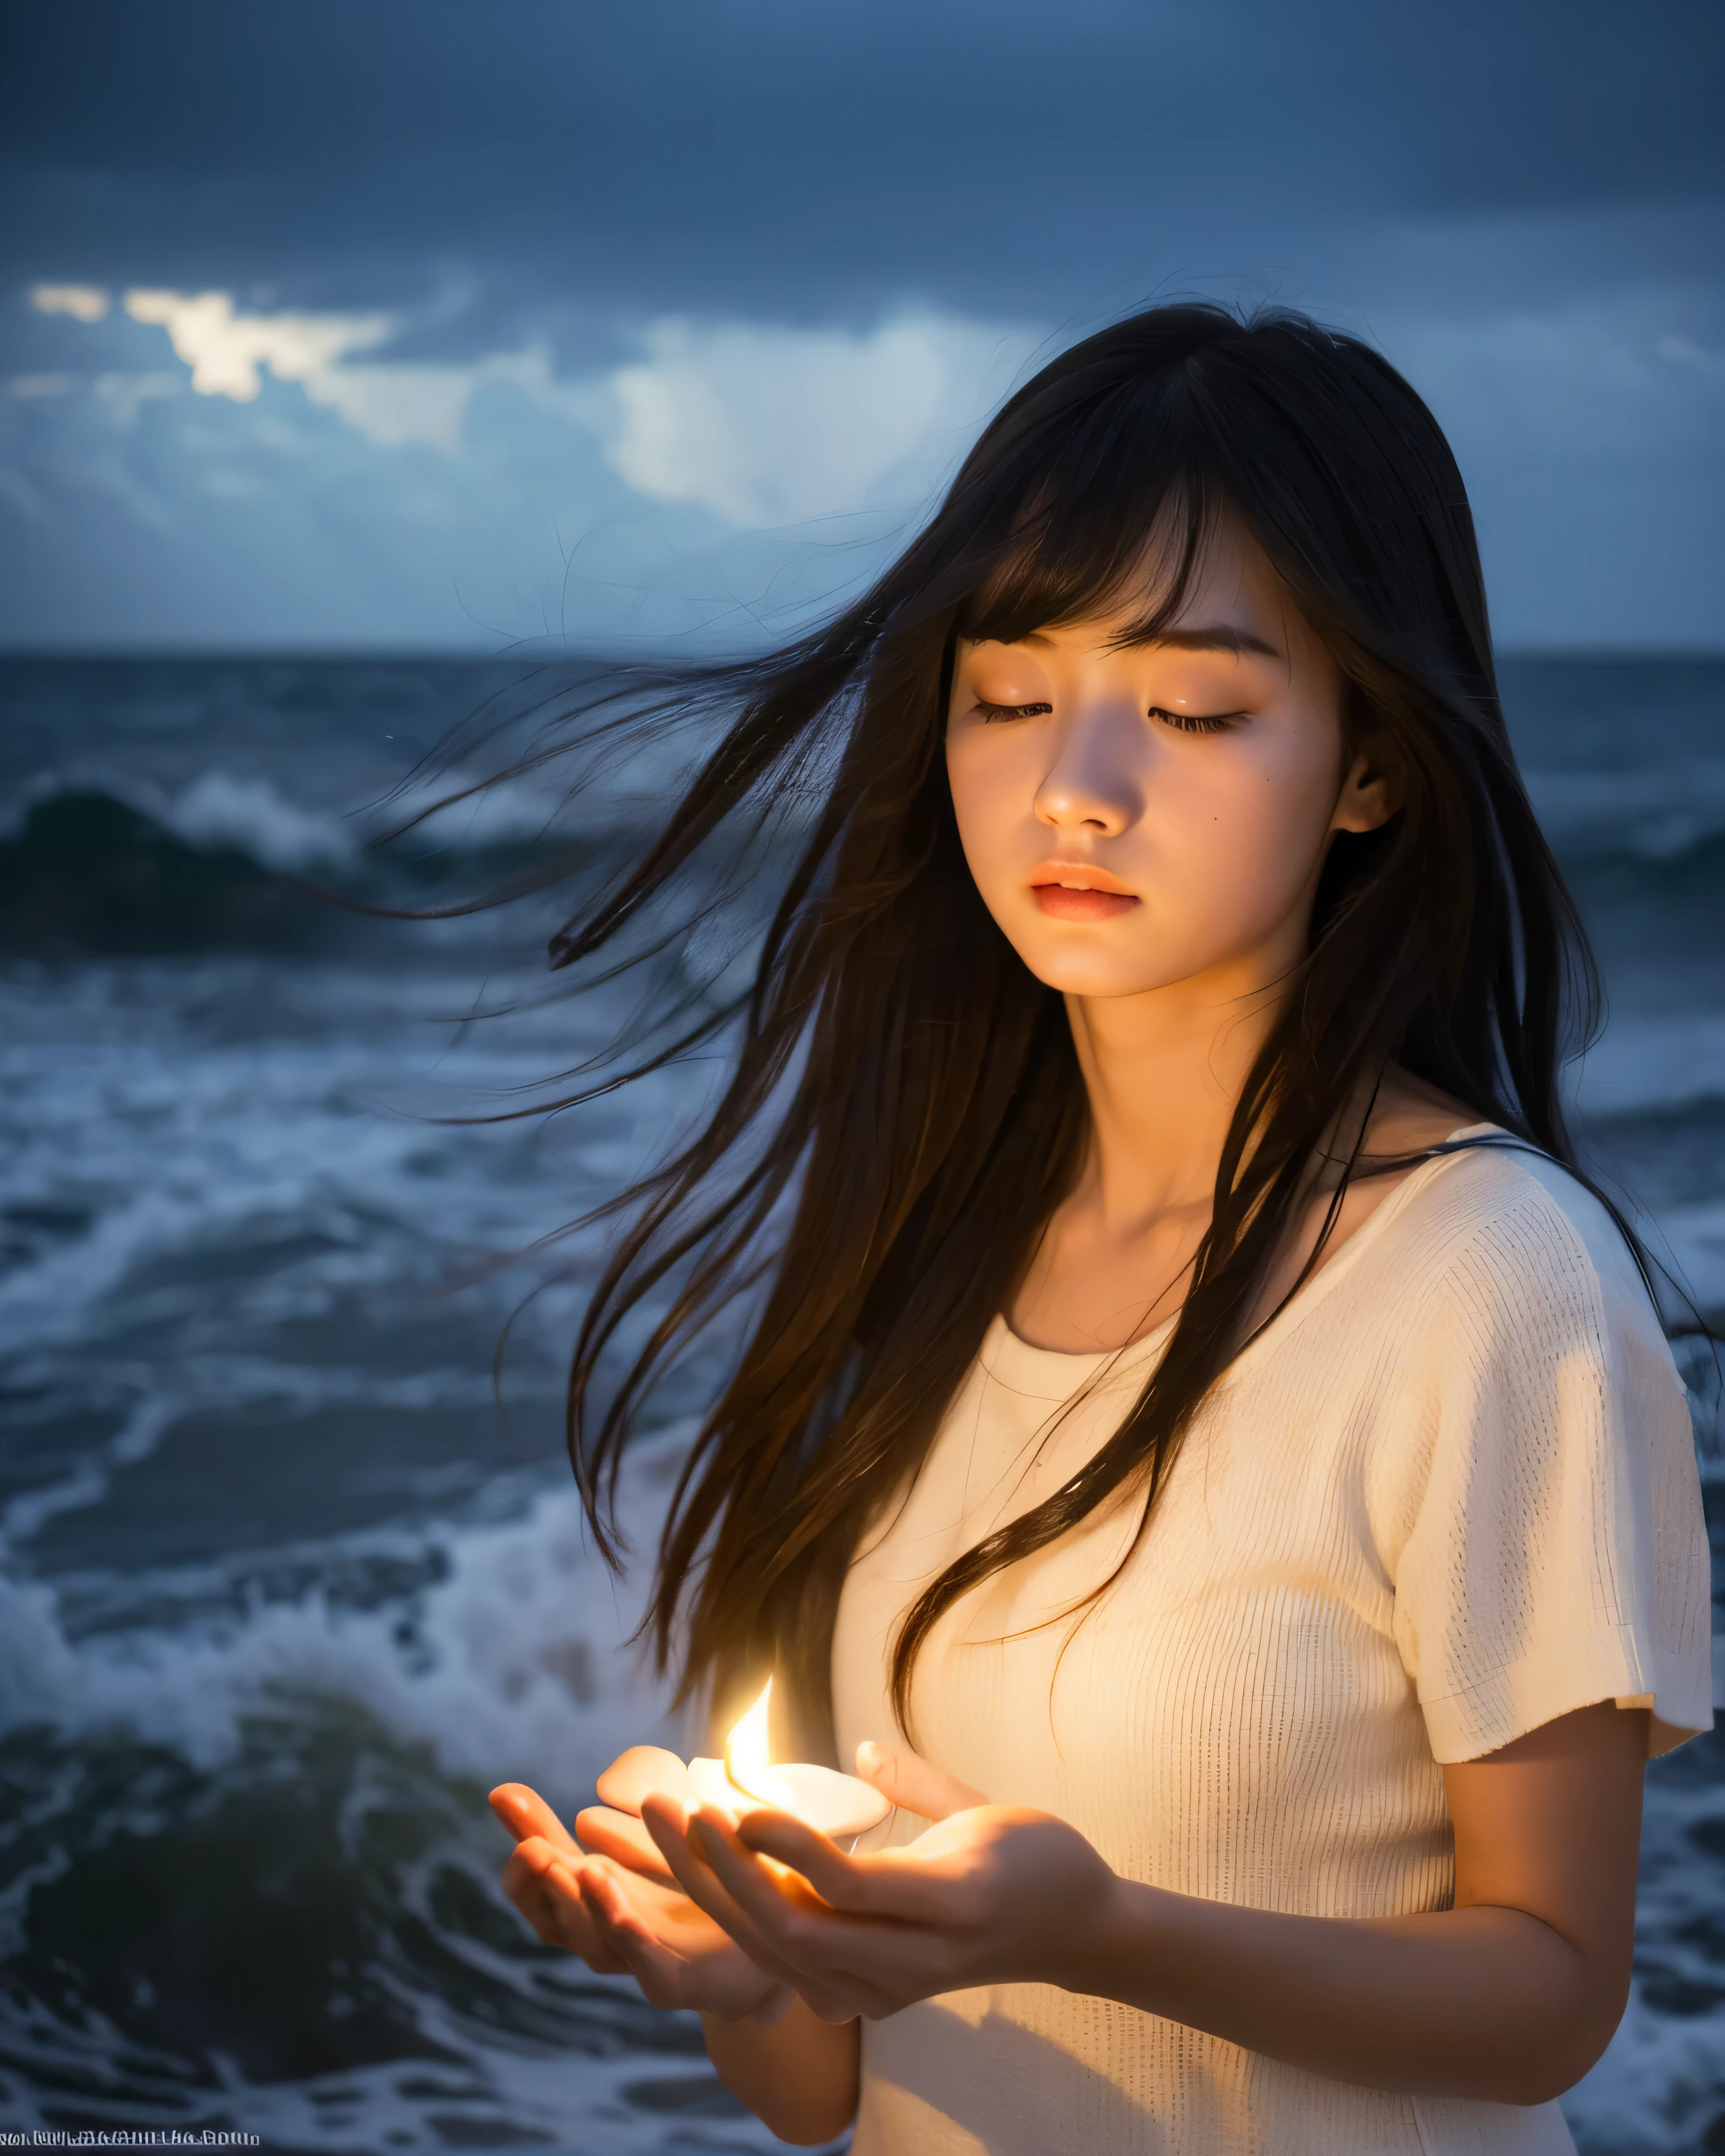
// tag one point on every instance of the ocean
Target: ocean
(291, 1570)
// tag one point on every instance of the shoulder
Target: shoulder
(1533, 1489)
(1505, 1248)
(1494, 1194)
(1501, 1199)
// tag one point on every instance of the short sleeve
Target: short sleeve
(1555, 1553)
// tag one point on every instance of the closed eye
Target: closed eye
(992, 712)
(1196, 722)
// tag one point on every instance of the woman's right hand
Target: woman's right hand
(616, 1905)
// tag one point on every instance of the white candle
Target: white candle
(839, 1805)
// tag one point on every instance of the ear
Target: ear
(1370, 796)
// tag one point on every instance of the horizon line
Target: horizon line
(543, 651)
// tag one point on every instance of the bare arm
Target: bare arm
(799, 2077)
(1510, 1996)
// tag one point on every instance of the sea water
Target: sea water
(291, 1569)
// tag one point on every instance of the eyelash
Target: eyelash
(1196, 722)
(1185, 722)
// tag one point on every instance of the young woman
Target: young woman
(1201, 1448)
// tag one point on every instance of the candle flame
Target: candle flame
(746, 1754)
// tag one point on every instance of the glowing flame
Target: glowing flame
(746, 1757)
(834, 1804)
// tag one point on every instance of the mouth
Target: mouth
(1065, 891)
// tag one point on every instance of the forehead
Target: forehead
(1199, 583)
(1223, 637)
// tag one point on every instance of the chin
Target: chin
(1094, 973)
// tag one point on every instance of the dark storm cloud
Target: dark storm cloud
(776, 153)
(592, 312)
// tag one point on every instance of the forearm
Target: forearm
(798, 2075)
(1484, 2002)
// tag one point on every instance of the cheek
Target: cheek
(991, 796)
(1241, 840)
(1272, 798)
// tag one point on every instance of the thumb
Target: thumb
(637, 1773)
(913, 1783)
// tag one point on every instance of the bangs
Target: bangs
(1112, 517)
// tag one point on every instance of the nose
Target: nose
(1093, 786)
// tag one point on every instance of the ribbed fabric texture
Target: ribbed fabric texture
(1448, 1495)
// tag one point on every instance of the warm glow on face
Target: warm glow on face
(1144, 817)
(747, 1755)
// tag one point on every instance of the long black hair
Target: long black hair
(903, 1108)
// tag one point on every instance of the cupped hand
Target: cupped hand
(612, 1826)
(990, 1893)
(542, 1877)
(619, 1922)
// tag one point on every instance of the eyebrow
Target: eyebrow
(1218, 637)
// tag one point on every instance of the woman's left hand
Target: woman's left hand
(990, 1894)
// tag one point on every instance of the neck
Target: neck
(1164, 1071)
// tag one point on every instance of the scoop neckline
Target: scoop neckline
(1014, 1361)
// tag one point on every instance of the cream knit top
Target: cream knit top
(1449, 1494)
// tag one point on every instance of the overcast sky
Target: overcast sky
(380, 323)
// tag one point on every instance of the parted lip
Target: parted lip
(1080, 875)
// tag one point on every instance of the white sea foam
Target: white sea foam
(481, 2092)
(252, 816)
(1659, 2087)
(217, 810)
(514, 1666)
(603, 783)
(171, 1141)
(450, 811)
(440, 807)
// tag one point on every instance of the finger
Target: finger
(518, 1882)
(669, 1826)
(637, 1773)
(562, 1890)
(765, 1891)
(525, 1814)
(620, 1835)
(841, 1881)
(539, 1855)
(843, 1965)
(549, 1894)
(528, 1864)
(610, 1907)
(550, 1899)
(913, 1783)
(715, 1975)
(907, 1885)
(662, 1973)
(672, 1954)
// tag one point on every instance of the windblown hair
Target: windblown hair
(904, 1109)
